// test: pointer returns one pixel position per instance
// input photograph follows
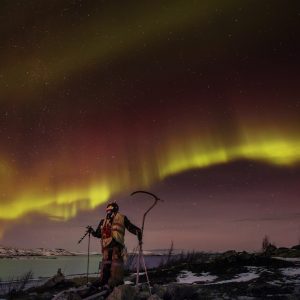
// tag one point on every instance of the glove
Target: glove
(90, 229)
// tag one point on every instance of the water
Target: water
(13, 269)
(47, 267)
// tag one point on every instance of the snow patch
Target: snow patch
(293, 259)
(275, 282)
(242, 277)
(189, 277)
(291, 272)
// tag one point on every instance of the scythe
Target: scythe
(156, 199)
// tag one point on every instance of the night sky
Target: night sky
(197, 101)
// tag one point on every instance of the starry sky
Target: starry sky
(197, 101)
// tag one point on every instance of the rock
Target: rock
(229, 257)
(56, 279)
(292, 297)
(46, 296)
(262, 289)
(70, 294)
(123, 292)
(296, 247)
(228, 253)
(144, 295)
(179, 292)
(297, 290)
(33, 296)
(142, 291)
(282, 251)
(143, 287)
(154, 297)
(74, 296)
(245, 256)
(270, 250)
(288, 252)
(159, 290)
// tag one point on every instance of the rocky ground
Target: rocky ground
(231, 275)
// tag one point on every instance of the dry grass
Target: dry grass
(15, 286)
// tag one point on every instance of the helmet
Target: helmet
(113, 207)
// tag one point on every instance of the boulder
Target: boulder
(123, 292)
(159, 290)
(56, 279)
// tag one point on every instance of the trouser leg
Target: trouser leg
(117, 267)
(106, 265)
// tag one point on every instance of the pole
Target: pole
(88, 262)
(146, 272)
(138, 267)
(83, 237)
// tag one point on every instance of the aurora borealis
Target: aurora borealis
(100, 98)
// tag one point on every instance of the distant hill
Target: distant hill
(16, 252)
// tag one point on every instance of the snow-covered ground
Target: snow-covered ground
(291, 275)
(189, 277)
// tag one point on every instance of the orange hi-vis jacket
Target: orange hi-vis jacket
(109, 230)
(114, 230)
